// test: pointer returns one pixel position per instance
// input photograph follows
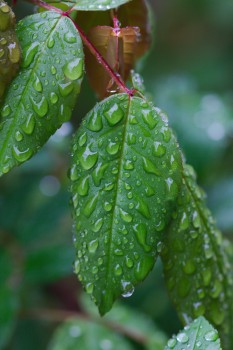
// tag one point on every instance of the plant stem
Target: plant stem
(115, 76)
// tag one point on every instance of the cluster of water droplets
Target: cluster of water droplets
(42, 96)
(198, 335)
(125, 177)
(98, 5)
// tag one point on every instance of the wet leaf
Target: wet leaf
(10, 53)
(196, 268)
(125, 178)
(42, 96)
(80, 334)
(198, 335)
(87, 5)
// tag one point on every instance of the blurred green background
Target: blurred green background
(189, 74)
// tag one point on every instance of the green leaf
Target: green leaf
(196, 267)
(198, 335)
(80, 334)
(96, 5)
(133, 322)
(42, 96)
(125, 178)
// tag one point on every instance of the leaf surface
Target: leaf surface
(196, 267)
(125, 178)
(80, 334)
(97, 5)
(198, 335)
(42, 96)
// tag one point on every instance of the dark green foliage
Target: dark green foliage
(196, 268)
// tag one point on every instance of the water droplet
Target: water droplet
(89, 288)
(118, 270)
(93, 245)
(149, 118)
(53, 70)
(37, 84)
(182, 338)
(53, 97)
(128, 289)
(125, 216)
(189, 268)
(98, 173)
(77, 266)
(141, 235)
(18, 136)
(66, 88)
(22, 156)
(184, 223)
(107, 206)
(41, 108)
(149, 167)
(113, 148)
(143, 208)
(30, 53)
(143, 267)
(211, 336)
(98, 224)
(83, 186)
(114, 115)
(198, 309)
(166, 132)
(129, 262)
(50, 43)
(90, 206)
(196, 220)
(87, 158)
(131, 139)
(159, 150)
(216, 289)
(6, 111)
(82, 139)
(70, 38)
(206, 275)
(95, 123)
(171, 343)
(74, 70)
(73, 173)
(29, 125)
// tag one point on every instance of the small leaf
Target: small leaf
(42, 96)
(84, 335)
(198, 335)
(10, 53)
(196, 267)
(125, 178)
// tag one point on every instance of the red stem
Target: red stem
(115, 76)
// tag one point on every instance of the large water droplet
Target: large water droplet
(30, 53)
(74, 70)
(125, 216)
(159, 150)
(29, 126)
(95, 123)
(83, 186)
(149, 167)
(184, 223)
(41, 108)
(128, 289)
(21, 156)
(143, 208)
(171, 343)
(114, 115)
(118, 270)
(87, 158)
(90, 206)
(182, 338)
(66, 88)
(53, 98)
(37, 84)
(98, 173)
(149, 118)
(98, 224)
(93, 245)
(141, 235)
(113, 148)
(211, 336)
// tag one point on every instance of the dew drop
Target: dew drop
(90, 206)
(50, 43)
(41, 108)
(182, 338)
(98, 224)
(82, 139)
(211, 336)
(22, 156)
(37, 84)
(18, 136)
(114, 115)
(149, 167)
(159, 150)
(141, 235)
(30, 53)
(93, 245)
(70, 38)
(53, 98)
(113, 148)
(29, 125)
(66, 88)
(118, 270)
(89, 288)
(87, 158)
(149, 118)
(6, 111)
(83, 186)
(74, 70)
(128, 289)
(171, 343)
(125, 216)
(95, 123)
